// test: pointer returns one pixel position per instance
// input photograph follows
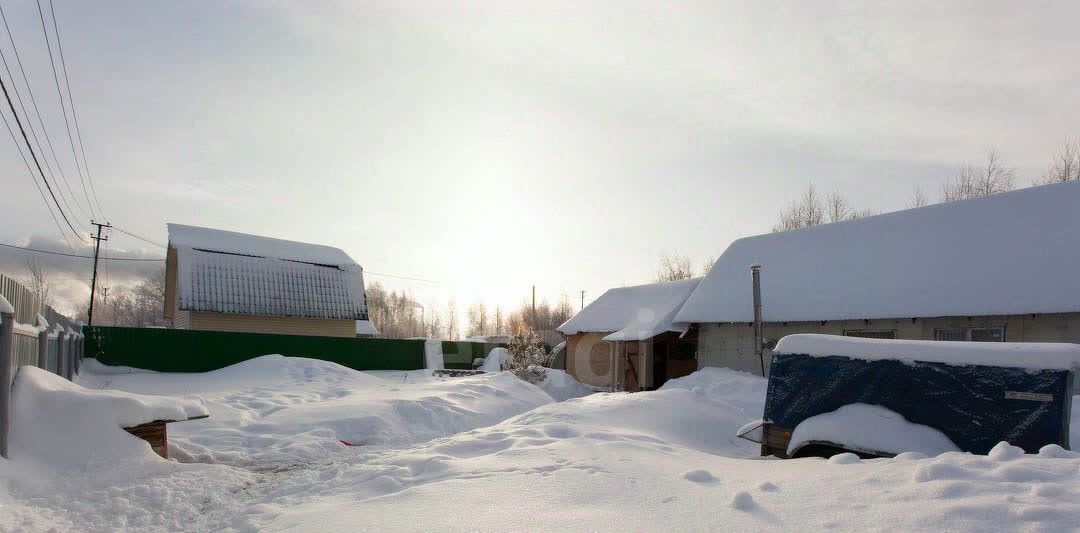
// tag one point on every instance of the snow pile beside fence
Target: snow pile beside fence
(65, 426)
(278, 410)
(561, 386)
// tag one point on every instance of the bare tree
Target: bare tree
(37, 280)
(674, 267)
(140, 305)
(861, 213)
(478, 319)
(434, 325)
(836, 208)
(811, 209)
(546, 317)
(451, 320)
(978, 182)
(802, 213)
(395, 314)
(1064, 165)
(918, 199)
(706, 266)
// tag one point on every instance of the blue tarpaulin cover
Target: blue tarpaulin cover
(975, 406)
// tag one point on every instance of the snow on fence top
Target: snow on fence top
(633, 313)
(63, 425)
(229, 272)
(1028, 355)
(1010, 253)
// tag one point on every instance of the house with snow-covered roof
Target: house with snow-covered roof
(217, 280)
(626, 340)
(1004, 268)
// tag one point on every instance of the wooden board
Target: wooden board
(155, 434)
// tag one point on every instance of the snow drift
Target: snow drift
(65, 426)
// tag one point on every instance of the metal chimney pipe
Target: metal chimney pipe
(759, 340)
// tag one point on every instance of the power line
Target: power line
(144, 239)
(399, 277)
(36, 184)
(37, 110)
(79, 256)
(74, 115)
(60, 95)
(34, 156)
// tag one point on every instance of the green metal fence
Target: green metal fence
(179, 350)
(460, 355)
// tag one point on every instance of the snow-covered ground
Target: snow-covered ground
(494, 453)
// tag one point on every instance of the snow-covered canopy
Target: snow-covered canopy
(1029, 355)
(633, 313)
(1010, 253)
(229, 272)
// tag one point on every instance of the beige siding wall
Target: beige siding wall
(208, 321)
(588, 359)
(181, 319)
(732, 345)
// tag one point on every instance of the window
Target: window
(871, 333)
(970, 334)
(987, 334)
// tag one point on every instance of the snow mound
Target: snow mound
(743, 501)
(871, 428)
(495, 359)
(277, 410)
(1004, 451)
(1031, 355)
(562, 386)
(64, 425)
(701, 411)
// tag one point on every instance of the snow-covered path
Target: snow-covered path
(493, 453)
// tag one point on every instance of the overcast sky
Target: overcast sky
(493, 146)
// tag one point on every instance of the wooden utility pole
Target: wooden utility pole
(93, 278)
(534, 324)
(582, 300)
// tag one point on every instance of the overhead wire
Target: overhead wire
(74, 114)
(48, 206)
(35, 158)
(141, 238)
(75, 255)
(60, 95)
(37, 109)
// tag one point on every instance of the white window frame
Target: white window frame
(967, 332)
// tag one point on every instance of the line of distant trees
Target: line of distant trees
(399, 315)
(140, 305)
(970, 181)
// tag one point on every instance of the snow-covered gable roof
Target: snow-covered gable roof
(633, 313)
(1010, 253)
(229, 272)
